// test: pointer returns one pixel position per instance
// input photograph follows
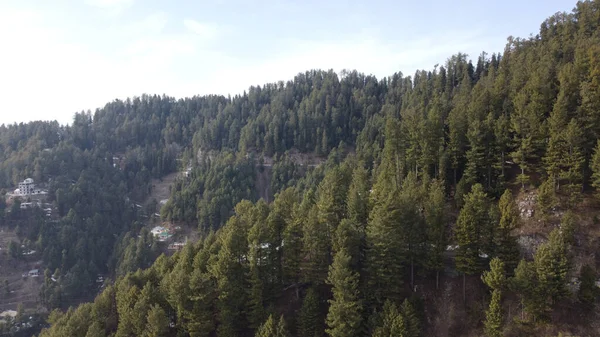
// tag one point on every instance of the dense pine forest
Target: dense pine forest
(460, 201)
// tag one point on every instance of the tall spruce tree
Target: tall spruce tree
(385, 254)
(524, 283)
(230, 270)
(316, 249)
(410, 319)
(552, 265)
(493, 316)
(344, 316)
(470, 227)
(506, 247)
(435, 220)
(310, 318)
(158, 323)
(595, 167)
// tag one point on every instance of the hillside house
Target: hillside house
(161, 233)
(34, 273)
(26, 187)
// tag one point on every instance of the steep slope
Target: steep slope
(433, 155)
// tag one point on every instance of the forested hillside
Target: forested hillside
(414, 222)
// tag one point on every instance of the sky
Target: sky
(63, 56)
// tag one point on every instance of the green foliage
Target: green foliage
(595, 166)
(435, 220)
(588, 291)
(316, 246)
(272, 329)
(310, 323)
(524, 283)
(158, 322)
(344, 316)
(495, 277)
(358, 197)
(398, 322)
(552, 264)
(390, 318)
(568, 226)
(215, 187)
(455, 131)
(267, 329)
(471, 230)
(546, 199)
(506, 247)
(385, 257)
(493, 316)
(412, 325)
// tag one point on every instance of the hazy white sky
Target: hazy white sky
(62, 56)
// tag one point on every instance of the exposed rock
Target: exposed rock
(528, 244)
(527, 205)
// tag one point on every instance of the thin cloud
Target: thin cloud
(111, 7)
(203, 30)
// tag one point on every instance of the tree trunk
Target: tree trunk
(489, 182)
(412, 273)
(455, 169)
(522, 174)
(464, 288)
(502, 165)
(437, 279)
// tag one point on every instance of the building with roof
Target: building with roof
(26, 187)
(161, 233)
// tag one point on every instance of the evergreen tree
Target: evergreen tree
(281, 330)
(411, 222)
(495, 278)
(256, 311)
(552, 264)
(310, 319)
(524, 283)
(398, 322)
(331, 198)
(506, 247)
(158, 322)
(469, 232)
(412, 325)
(435, 220)
(358, 197)
(230, 273)
(293, 238)
(595, 167)
(398, 328)
(588, 291)
(547, 199)
(200, 317)
(267, 329)
(573, 161)
(493, 316)
(390, 316)
(522, 156)
(568, 225)
(95, 330)
(350, 238)
(316, 245)
(385, 254)
(344, 316)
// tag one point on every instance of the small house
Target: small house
(26, 187)
(34, 273)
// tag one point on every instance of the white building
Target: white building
(26, 187)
